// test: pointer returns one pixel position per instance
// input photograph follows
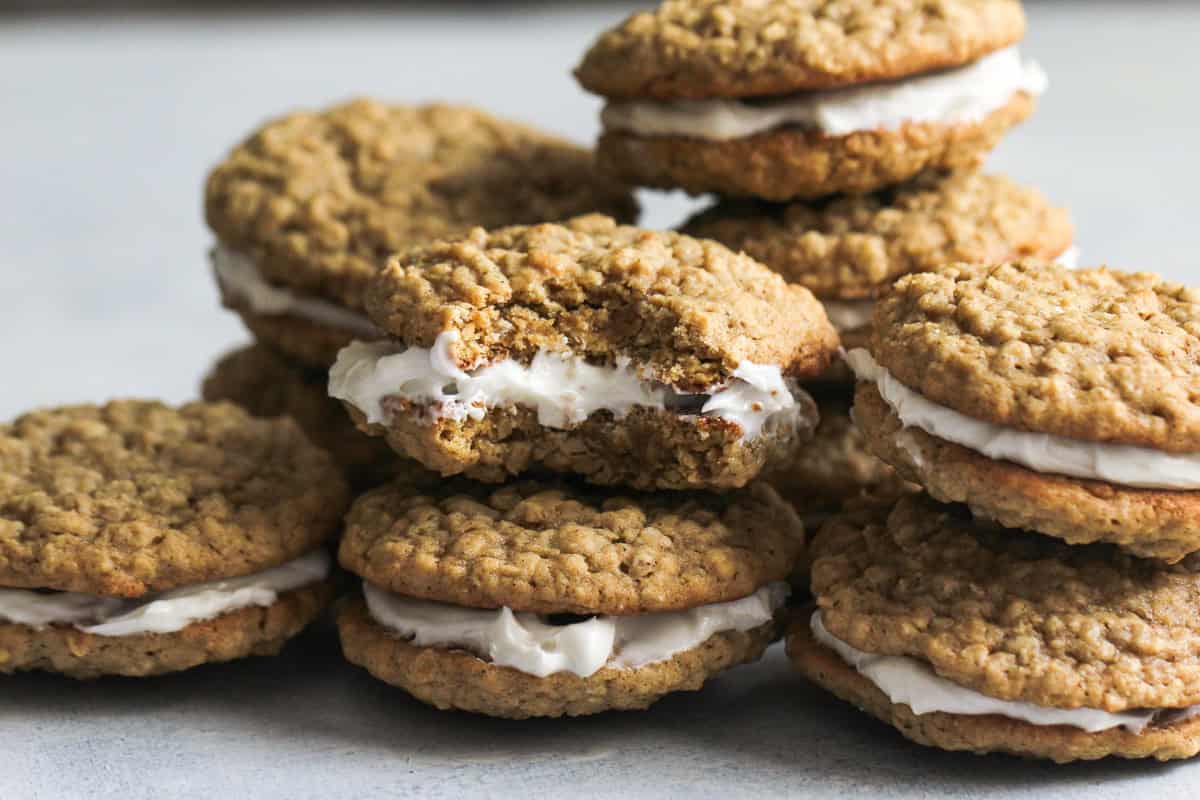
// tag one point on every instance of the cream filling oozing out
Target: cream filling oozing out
(849, 315)
(165, 612)
(961, 95)
(528, 644)
(911, 682)
(1122, 464)
(564, 389)
(241, 280)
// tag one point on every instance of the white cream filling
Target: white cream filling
(961, 95)
(849, 315)
(526, 643)
(241, 280)
(1122, 464)
(563, 388)
(165, 612)
(908, 681)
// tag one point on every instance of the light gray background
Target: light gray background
(107, 128)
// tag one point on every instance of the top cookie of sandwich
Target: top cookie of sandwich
(1016, 616)
(687, 312)
(1094, 354)
(320, 198)
(743, 48)
(135, 497)
(852, 246)
(552, 547)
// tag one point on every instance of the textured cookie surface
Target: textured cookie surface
(264, 384)
(135, 497)
(790, 162)
(1152, 523)
(645, 449)
(835, 465)
(739, 48)
(1091, 354)
(321, 198)
(853, 246)
(455, 679)
(1014, 616)
(251, 631)
(986, 733)
(687, 312)
(552, 548)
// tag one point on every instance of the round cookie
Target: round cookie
(748, 48)
(555, 548)
(266, 385)
(455, 679)
(1012, 617)
(1093, 354)
(852, 247)
(108, 510)
(633, 357)
(835, 465)
(781, 100)
(572, 555)
(310, 205)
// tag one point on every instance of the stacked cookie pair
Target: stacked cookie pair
(600, 399)
(1042, 598)
(138, 539)
(843, 140)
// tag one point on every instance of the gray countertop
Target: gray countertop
(107, 127)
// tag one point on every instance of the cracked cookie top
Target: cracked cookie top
(551, 548)
(686, 312)
(743, 48)
(1092, 354)
(135, 497)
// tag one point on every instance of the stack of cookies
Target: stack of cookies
(1043, 597)
(308, 207)
(600, 399)
(843, 140)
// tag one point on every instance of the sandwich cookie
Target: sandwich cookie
(262, 382)
(137, 539)
(548, 599)
(966, 637)
(311, 205)
(781, 99)
(632, 357)
(1059, 401)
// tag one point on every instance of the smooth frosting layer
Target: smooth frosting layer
(165, 612)
(525, 642)
(1126, 465)
(563, 388)
(962, 95)
(908, 681)
(240, 278)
